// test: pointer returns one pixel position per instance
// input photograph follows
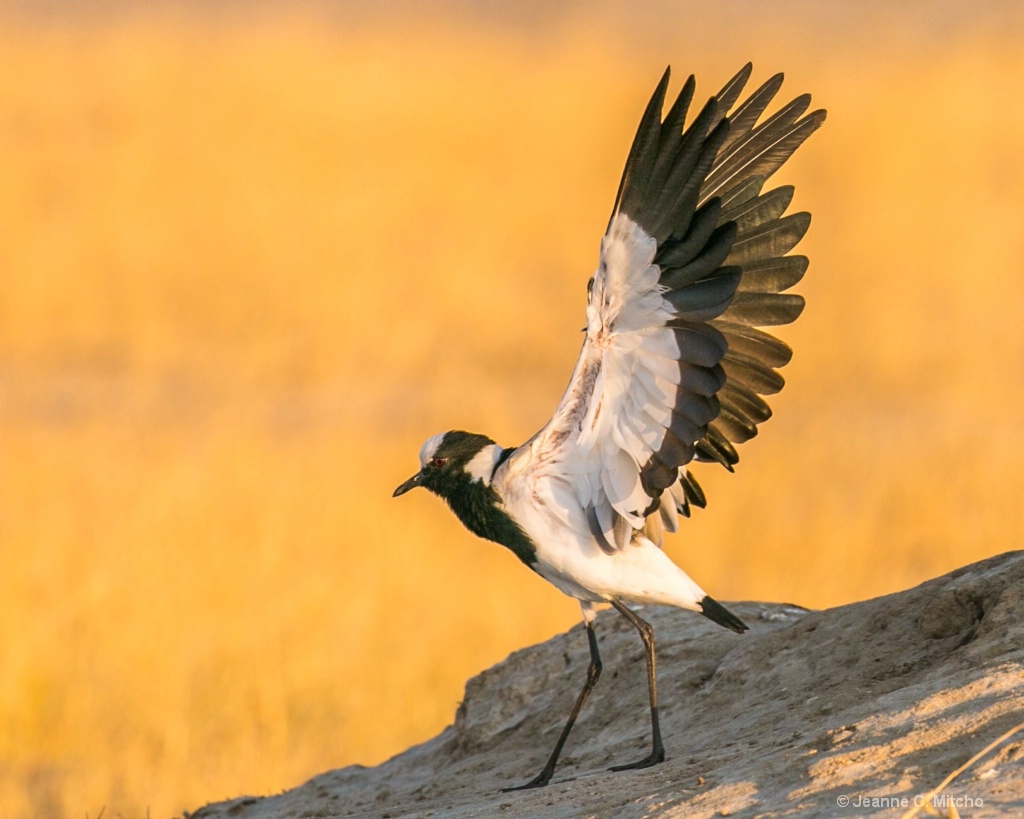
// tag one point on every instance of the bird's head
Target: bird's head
(453, 459)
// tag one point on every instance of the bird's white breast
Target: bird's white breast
(568, 556)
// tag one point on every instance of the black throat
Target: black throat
(480, 509)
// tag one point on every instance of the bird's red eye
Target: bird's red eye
(438, 461)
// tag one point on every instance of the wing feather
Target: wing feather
(754, 211)
(673, 367)
(731, 91)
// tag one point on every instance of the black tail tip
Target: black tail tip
(718, 613)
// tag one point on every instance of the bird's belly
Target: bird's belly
(640, 573)
(568, 556)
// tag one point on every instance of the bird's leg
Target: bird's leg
(647, 635)
(593, 673)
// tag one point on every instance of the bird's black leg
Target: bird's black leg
(593, 673)
(647, 635)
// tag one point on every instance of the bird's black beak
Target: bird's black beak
(412, 483)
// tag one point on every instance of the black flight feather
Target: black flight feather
(754, 344)
(731, 91)
(769, 240)
(670, 137)
(642, 155)
(773, 275)
(740, 193)
(679, 273)
(765, 149)
(757, 211)
(746, 116)
(692, 490)
(673, 208)
(764, 309)
(752, 374)
(679, 251)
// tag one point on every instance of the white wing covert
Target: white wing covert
(693, 261)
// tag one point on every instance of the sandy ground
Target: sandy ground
(852, 711)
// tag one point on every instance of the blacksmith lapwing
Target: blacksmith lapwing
(673, 370)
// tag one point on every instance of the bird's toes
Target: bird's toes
(539, 781)
(653, 758)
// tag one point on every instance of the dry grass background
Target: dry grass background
(247, 267)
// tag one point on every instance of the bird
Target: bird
(694, 261)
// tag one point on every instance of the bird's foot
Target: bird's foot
(539, 781)
(656, 756)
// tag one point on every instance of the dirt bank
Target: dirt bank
(852, 711)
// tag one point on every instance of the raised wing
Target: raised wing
(693, 262)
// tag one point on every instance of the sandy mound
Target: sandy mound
(874, 703)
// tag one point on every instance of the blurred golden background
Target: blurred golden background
(253, 257)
